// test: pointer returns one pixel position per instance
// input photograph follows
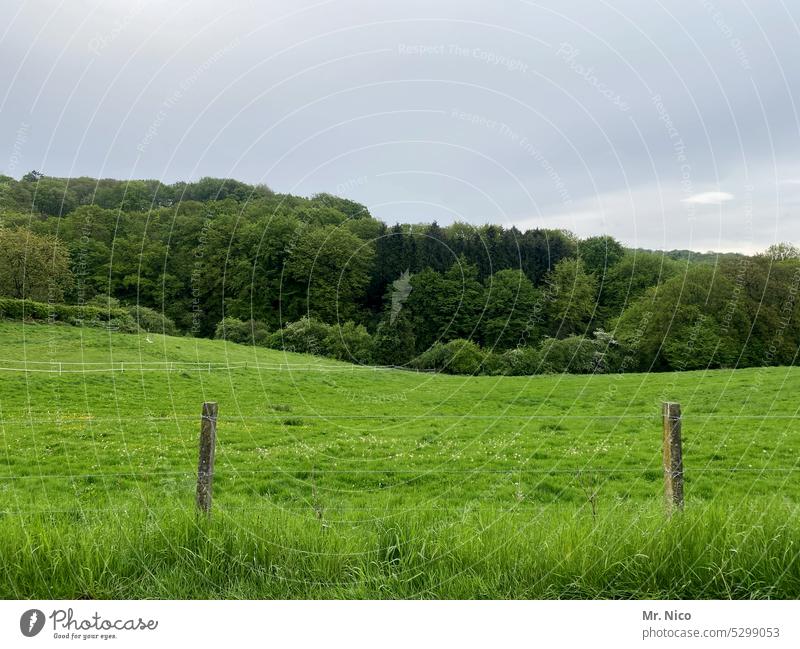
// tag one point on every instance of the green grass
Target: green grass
(337, 481)
(483, 553)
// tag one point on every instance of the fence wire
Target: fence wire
(79, 367)
(389, 417)
(232, 472)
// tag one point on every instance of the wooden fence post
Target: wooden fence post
(205, 467)
(673, 456)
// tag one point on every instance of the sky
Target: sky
(666, 125)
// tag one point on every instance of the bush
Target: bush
(575, 354)
(87, 316)
(522, 361)
(152, 321)
(609, 353)
(433, 358)
(349, 342)
(252, 332)
(582, 355)
(465, 357)
(458, 356)
(122, 322)
(394, 341)
(104, 302)
(306, 336)
(494, 364)
(13, 309)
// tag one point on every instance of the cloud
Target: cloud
(709, 198)
(652, 216)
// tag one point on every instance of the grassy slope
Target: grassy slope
(345, 481)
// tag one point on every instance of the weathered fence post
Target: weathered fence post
(673, 456)
(205, 467)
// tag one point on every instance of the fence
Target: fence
(672, 466)
(671, 451)
(78, 367)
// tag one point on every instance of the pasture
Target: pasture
(335, 480)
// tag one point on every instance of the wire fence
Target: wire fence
(396, 475)
(296, 507)
(281, 417)
(331, 500)
(80, 367)
(232, 472)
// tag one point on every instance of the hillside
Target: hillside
(222, 258)
(286, 415)
(339, 480)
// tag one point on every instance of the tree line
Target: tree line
(320, 275)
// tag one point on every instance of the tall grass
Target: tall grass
(555, 552)
(385, 484)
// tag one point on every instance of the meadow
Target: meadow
(335, 480)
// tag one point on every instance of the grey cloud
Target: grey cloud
(582, 115)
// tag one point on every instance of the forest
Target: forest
(225, 259)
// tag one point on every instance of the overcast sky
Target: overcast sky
(666, 125)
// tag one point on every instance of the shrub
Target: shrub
(609, 353)
(13, 309)
(465, 357)
(433, 358)
(88, 316)
(104, 302)
(394, 341)
(494, 364)
(122, 322)
(251, 332)
(349, 342)
(458, 356)
(575, 354)
(522, 361)
(152, 320)
(306, 336)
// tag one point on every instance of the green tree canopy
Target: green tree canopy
(694, 320)
(600, 254)
(329, 270)
(32, 266)
(511, 301)
(631, 276)
(569, 301)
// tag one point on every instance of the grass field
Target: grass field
(339, 481)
